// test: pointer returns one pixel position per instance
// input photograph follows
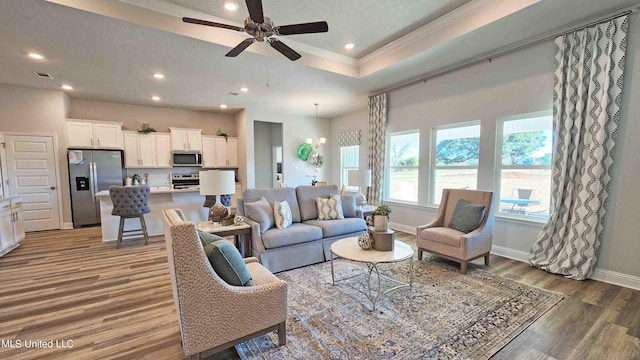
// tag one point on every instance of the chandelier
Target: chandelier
(321, 140)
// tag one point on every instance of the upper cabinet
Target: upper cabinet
(226, 152)
(186, 139)
(94, 134)
(147, 150)
(219, 152)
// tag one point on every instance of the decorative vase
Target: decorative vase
(365, 241)
(380, 223)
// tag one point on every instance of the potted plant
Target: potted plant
(228, 220)
(381, 218)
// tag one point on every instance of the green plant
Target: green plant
(314, 182)
(222, 133)
(383, 210)
(146, 129)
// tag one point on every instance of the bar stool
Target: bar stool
(130, 202)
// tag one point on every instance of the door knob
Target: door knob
(53, 188)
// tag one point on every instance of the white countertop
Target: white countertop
(158, 190)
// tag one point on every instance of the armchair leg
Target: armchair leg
(420, 254)
(282, 333)
(463, 267)
(486, 259)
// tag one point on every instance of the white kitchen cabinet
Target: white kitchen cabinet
(163, 150)
(146, 150)
(11, 224)
(226, 152)
(94, 134)
(186, 139)
(208, 151)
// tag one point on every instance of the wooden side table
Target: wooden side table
(232, 230)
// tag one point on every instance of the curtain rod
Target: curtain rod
(469, 62)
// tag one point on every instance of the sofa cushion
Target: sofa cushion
(467, 216)
(282, 214)
(261, 212)
(339, 227)
(329, 209)
(307, 199)
(279, 194)
(207, 238)
(349, 207)
(442, 235)
(295, 234)
(228, 263)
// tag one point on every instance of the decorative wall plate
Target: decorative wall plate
(303, 151)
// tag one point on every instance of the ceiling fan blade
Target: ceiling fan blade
(305, 28)
(240, 48)
(255, 11)
(211, 23)
(284, 49)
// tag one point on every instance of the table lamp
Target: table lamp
(361, 179)
(217, 182)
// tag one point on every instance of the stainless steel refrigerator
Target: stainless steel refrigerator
(91, 171)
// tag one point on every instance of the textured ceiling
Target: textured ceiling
(109, 59)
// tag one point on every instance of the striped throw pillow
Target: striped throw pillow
(330, 209)
(282, 214)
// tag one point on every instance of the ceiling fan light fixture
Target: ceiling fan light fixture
(230, 5)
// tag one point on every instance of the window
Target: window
(524, 164)
(403, 157)
(349, 160)
(455, 152)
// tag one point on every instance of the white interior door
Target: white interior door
(31, 174)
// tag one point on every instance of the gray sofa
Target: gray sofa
(307, 240)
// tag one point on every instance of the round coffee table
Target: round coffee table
(350, 250)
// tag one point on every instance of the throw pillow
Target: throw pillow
(282, 214)
(349, 207)
(466, 216)
(260, 212)
(207, 238)
(330, 209)
(228, 263)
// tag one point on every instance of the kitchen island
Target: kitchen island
(161, 198)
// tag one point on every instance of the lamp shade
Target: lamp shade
(361, 178)
(217, 182)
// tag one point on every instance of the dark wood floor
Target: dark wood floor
(117, 304)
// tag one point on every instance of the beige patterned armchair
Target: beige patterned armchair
(437, 238)
(212, 314)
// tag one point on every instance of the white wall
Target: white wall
(24, 109)
(519, 83)
(295, 131)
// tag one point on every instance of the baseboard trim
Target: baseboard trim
(606, 276)
(67, 225)
(404, 228)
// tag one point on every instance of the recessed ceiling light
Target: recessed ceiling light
(230, 5)
(67, 87)
(349, 45)
(155, 98)
(158, 76)
(223, 106)
(36, 56)
(244, 89)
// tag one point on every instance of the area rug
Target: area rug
(444, 315)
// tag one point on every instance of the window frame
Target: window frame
(432, 158)
(343, 180)
(388, 166)
(499, 166)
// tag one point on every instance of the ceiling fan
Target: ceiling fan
(262, 29)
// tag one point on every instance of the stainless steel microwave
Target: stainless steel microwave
(187, 159)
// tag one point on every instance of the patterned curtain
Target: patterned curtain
(587, 94)
(349, 138)
(377, 136)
